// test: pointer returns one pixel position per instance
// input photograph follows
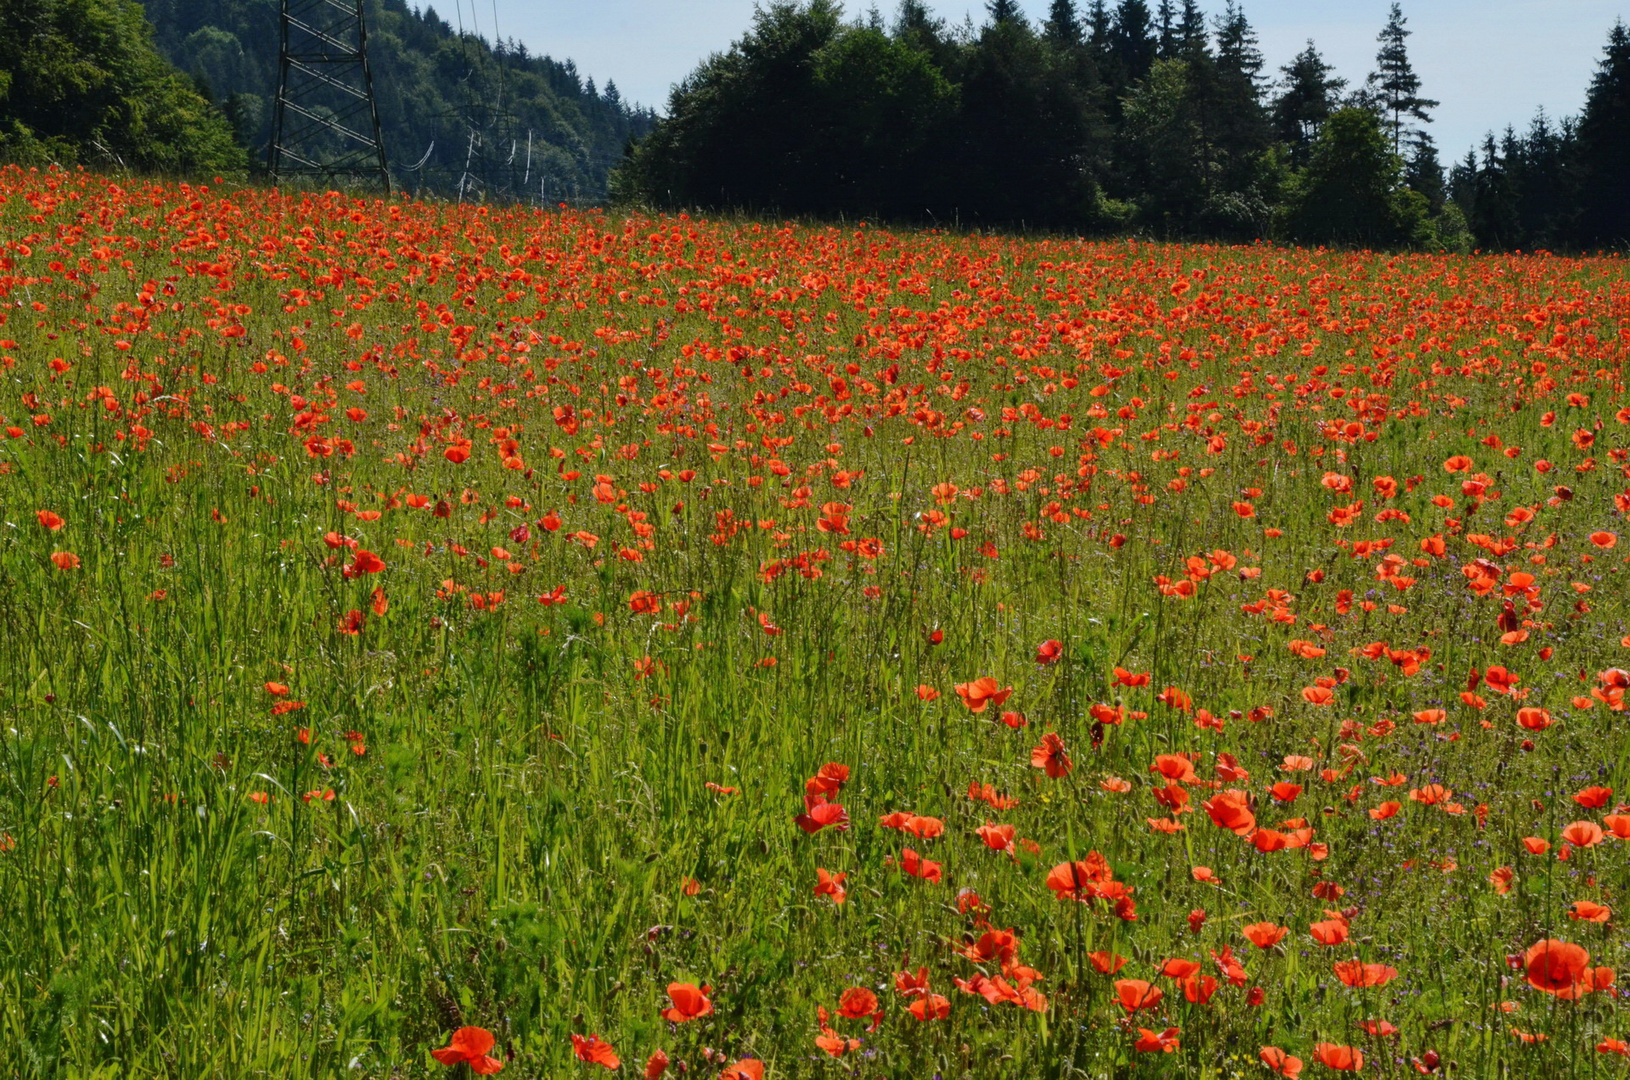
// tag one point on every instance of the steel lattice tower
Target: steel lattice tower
(324, 121)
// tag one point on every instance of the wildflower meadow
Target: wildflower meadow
(448, 639)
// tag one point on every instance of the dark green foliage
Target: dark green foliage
(1352, 191)
(80, 82)
(1308, 95)
(1604, 148)
(435, 86)
(1111, 114)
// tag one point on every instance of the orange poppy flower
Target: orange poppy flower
(1106, 963)
(1165, 1042)
(1135, 994)
(1357, 973)
(470, 1045)
(1049, 651)
(930, 1007)
(1231, 810)
(1590, 911)
(857, 1003)
(745, 1069)
(1265, 935)
(690, 1002)
(818, 814)
(595, 1051)
(828, 780)
(996, 837)
(1280, 1062)
(1583, 834)
(1536, 845)
(1593, 798)
(982, 692)
(1555, 966)
(1339, 1058)
(1051, 756)
(49, 520)
(1604, 539)
(1318, 695)
(1329, 931)
(830, 884)
(656, 1065)
(65, 560)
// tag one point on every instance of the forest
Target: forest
(461, 116)
(1114, 119)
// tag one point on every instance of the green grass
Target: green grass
(511, 848)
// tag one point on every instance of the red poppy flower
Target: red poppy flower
(656, 1065)
(1280, 1062)
(595, 1050)
(1231, 810)
(49, 520)
(1051, 756)
(982, 692)
(690, 1002)
(470, 1045)
(857, 1003)
(1357, 973)
(1165, 1042)
(1049, 651)
(1135, 994)
(830, 884)
(1265, 935)
(1339, 1058)
(818, 814)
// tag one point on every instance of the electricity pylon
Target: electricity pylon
(324, 121)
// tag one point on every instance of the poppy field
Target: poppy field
(446, 640)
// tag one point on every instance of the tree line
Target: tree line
(1118, 117)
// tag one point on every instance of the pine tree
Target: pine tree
(1604, 148)
(1394, 82)
(1063, 27)
(1004, 11)
(1309, 93)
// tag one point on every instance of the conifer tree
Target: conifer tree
(1004, 11)
(1063, 27)
(1310, 92)
(1132, 42)
(1604, 147)
(1394, 83)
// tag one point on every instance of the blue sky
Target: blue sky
(1491, 62)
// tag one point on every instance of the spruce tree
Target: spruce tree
(1192, 39)
(1309, 93)
(1424, 173)
(1132, 42)
(1604, 148)
(1063, 27)
(1167, 20)
(1004, 11)
(1394, 82)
